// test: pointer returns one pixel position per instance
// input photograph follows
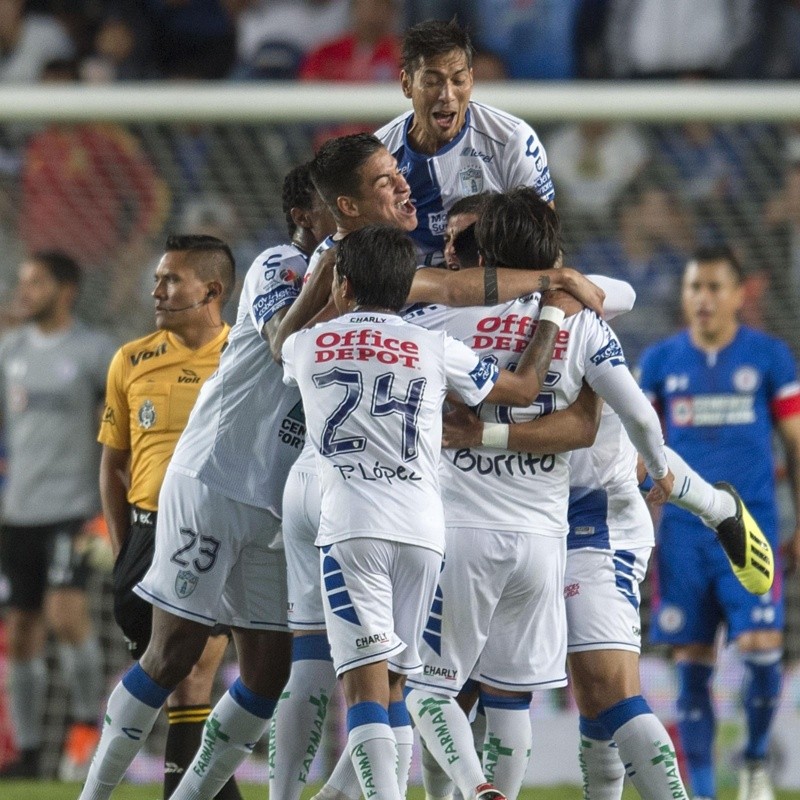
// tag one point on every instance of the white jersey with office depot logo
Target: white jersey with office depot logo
(373, 388)
(494, 151)
(606, 508)
(247, 427)
(507, 490)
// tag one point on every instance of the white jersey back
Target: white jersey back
(373, 388)
(505, 490)
(494, 151)
(247, 427)
(606, 508)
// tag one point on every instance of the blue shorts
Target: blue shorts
(696, 591)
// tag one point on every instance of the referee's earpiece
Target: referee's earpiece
(212, 293)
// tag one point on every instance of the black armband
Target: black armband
(490, 286)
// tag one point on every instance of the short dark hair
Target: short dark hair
(335, 168)
(380, 262)
(465, 246)
(471, 204)
(518, 229)
(719, 252)
(298, 192)
(219, 266)
(62, 268)
(433, 38)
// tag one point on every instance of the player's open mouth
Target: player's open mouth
(444, 120)
(406, 207)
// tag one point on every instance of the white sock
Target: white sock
(82, 669)
(695, 494)
(603, 773)
(297, 726)
(230, 734)
(445, 729)
(373, 751)
(343, 780)
(128, 723)
(478, 726)
(648, 755)
(27, 694)
(436, 781)
(507, 747)
(404, 737)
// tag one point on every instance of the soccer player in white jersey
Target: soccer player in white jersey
(373, 388)
(448, 145)
(609, 543)
(219, 556)
(359, 180)
(500, 617)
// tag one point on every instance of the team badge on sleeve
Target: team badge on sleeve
(147, 415)
(484, 371)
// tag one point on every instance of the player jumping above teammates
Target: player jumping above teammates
(373, 387)
(448, 145)
(218, 551)
(721, 387)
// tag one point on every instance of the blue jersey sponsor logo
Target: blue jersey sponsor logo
(483, 372)
(265, 305)
(611, 352)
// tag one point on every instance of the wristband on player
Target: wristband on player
(490, 296)
(495, 435)
(552, 314)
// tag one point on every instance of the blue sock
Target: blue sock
(366, 713)
(760, 692)
(144, 688)
(257, 705)
(697, 725)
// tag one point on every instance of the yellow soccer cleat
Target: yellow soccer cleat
(746, 547)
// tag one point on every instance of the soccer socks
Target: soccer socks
(183, 741)
(601, 767)
(697, 725)
(436, 781)
(373, 750)
(507, 745)
(445, 729)
(646, 750)
(400, 723)
(82, 669)
(343, 782)
(695, 494)
(27, 693)
(132, 709)
(760, 694)
(297, 724)
(237, 722)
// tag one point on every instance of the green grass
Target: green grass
(47, 790)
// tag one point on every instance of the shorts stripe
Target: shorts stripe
(432, 635)
(337, 593)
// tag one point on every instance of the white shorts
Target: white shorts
(216, 560)
(502, 619)
(601, 590)
(377, 596)
(301, 502)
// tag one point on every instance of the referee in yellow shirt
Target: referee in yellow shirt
(152, 385)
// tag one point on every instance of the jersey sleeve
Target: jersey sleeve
(287, 356)
(526, 163)
(272, 283)
(114, 425)
(471, 377)
(620, 295)
(784, 387)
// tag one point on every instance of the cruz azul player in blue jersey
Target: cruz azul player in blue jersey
(449, 146)
(721, 389)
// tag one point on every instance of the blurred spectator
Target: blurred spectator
(671, 38)
(488, 66)
(90, 191)
(193, 38)
(464, 10)
(120, 51)
(535, 38)
(273, 35)
(593, 163)
(782, 46)
(369, 52)
(28, 42)
(649, 251)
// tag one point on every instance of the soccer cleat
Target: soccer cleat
(488, 792)
(754, 782)
(746, 547)
(79, 748)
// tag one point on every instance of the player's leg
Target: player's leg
(23, 554)
(299, 718)
(188, 707)
(79, 654)
(136, 701)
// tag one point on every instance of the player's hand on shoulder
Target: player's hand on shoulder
(581, 288)
(560, 298)
(461, 427)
